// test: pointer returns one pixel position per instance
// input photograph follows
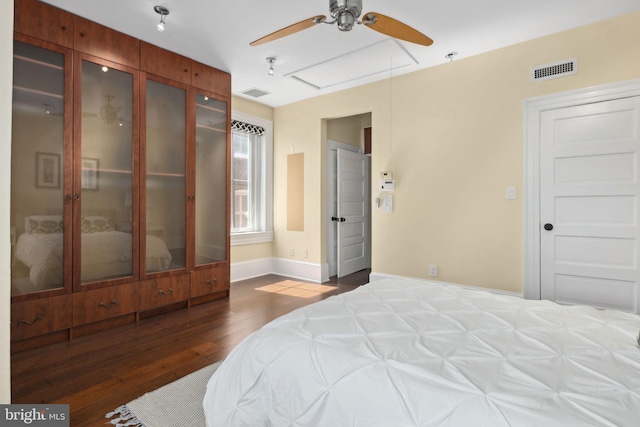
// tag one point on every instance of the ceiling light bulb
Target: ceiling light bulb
(163, 12)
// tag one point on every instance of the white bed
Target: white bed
(106, 252)
(414, 353)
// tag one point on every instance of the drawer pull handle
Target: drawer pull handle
(210, 283)
(111, 304)
(169, 292)
(26, 322)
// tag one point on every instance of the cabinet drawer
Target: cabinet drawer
(100, 304)
(205, 282)
(159, 292)
(33, 318)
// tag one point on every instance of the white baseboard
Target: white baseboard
(379, 276)
(298, 270)
(315, 273)
(250, 269)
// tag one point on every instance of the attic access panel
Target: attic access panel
(378, 58)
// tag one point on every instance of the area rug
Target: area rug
(178, 404)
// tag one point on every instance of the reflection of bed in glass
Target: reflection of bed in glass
(106, 252)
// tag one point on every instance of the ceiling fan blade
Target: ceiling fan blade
(394, 28)
(286, 31)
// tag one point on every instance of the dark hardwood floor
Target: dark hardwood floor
(98, 372)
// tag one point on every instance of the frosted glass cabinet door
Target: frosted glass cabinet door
(164, 211)
(106, 174)
(211, 181)
(38, 159)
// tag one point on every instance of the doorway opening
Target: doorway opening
(348, 195)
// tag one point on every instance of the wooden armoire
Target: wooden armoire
(120, 171)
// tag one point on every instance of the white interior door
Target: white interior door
(589, 204)
(352, 218)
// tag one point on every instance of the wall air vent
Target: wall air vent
(256, 93)
(552, 71)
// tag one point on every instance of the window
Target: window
(251, 179)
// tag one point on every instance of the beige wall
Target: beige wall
(348, 130)
(6, 53)
(454, 143)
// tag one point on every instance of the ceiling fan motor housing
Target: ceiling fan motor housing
(345, 12)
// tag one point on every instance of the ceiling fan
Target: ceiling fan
(346, 13)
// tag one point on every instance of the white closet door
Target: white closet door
(590, 204)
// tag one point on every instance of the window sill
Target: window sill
(239, 239)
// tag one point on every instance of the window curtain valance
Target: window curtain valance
(247, 128)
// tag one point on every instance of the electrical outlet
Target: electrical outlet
(292, 252)
(433, 270)
(305, 254)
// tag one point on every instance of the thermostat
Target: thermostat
(387, 185)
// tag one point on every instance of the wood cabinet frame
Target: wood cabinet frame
(71, 306)
(77, 167)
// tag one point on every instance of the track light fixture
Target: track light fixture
(271, 60)
(163, 12)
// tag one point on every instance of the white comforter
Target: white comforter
(414, 353)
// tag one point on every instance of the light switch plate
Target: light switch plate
(387, 203)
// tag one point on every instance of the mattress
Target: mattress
(401, 352)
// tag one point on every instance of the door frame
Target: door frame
(532, 111)
(332, 265)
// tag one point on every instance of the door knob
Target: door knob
(548, 227)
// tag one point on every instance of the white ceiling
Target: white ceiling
(218, 33)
